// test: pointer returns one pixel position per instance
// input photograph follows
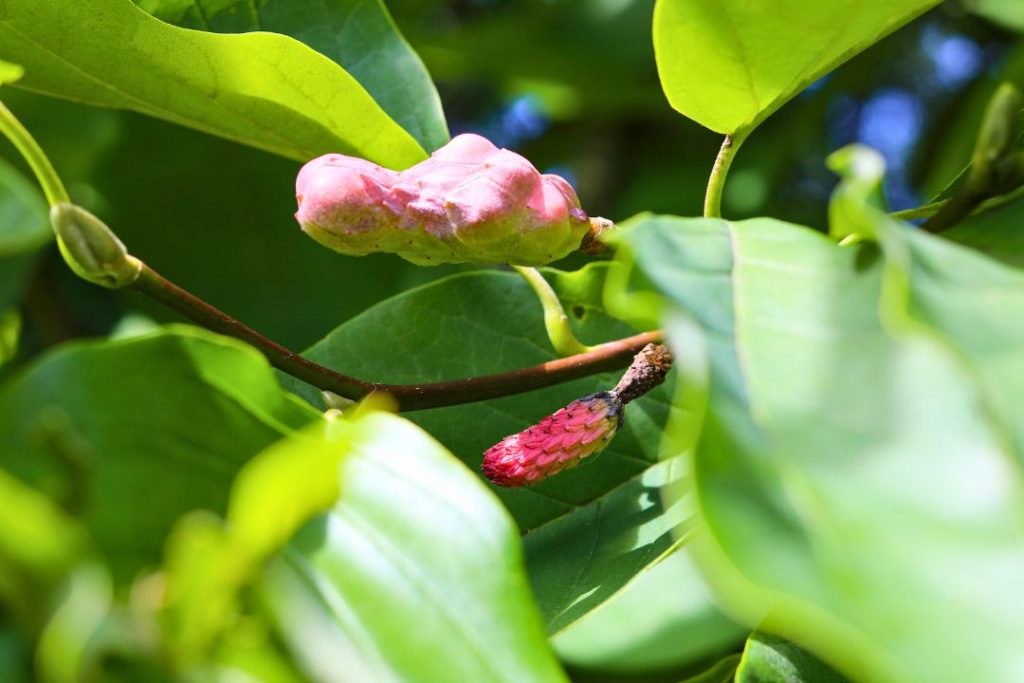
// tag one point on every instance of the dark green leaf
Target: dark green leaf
(768, 659)
(261, 89)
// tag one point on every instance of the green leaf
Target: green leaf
(768, 659)
(662, 620)
(605, 519)
(859, 490)
(131, 434)
(359, 35)
(728, 64)
(415, 573)
(260, 89)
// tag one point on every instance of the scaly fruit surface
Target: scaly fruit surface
(557, 442)
(577, 431)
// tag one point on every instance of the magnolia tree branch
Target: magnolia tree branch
(94, 252)
(600, 358)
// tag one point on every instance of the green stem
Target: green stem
(33, 153)
(719, 172)
(918, 212)
(600, 358)
(953, 211)
(555, 320)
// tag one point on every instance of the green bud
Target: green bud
(91, 248)
(992, 166)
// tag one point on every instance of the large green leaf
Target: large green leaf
(261, 89)
(855, 476)
(587, 531)
(728, 64)
(415, 574)
(357, 34)
(131, 434)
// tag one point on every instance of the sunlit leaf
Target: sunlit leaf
(857, 488)
(728, 64)
(261, 89)
(357, 34)
(414, 574)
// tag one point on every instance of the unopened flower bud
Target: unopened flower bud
(469, 202)
(91, 248)
(584, 427)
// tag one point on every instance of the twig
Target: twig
(952, 212)
(600, 358)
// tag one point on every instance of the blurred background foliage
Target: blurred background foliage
(572, 85)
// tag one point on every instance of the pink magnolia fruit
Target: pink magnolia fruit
(557, 442)
(577, 431)
(469, 202)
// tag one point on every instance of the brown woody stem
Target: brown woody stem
(647, 371)
(600, 358)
